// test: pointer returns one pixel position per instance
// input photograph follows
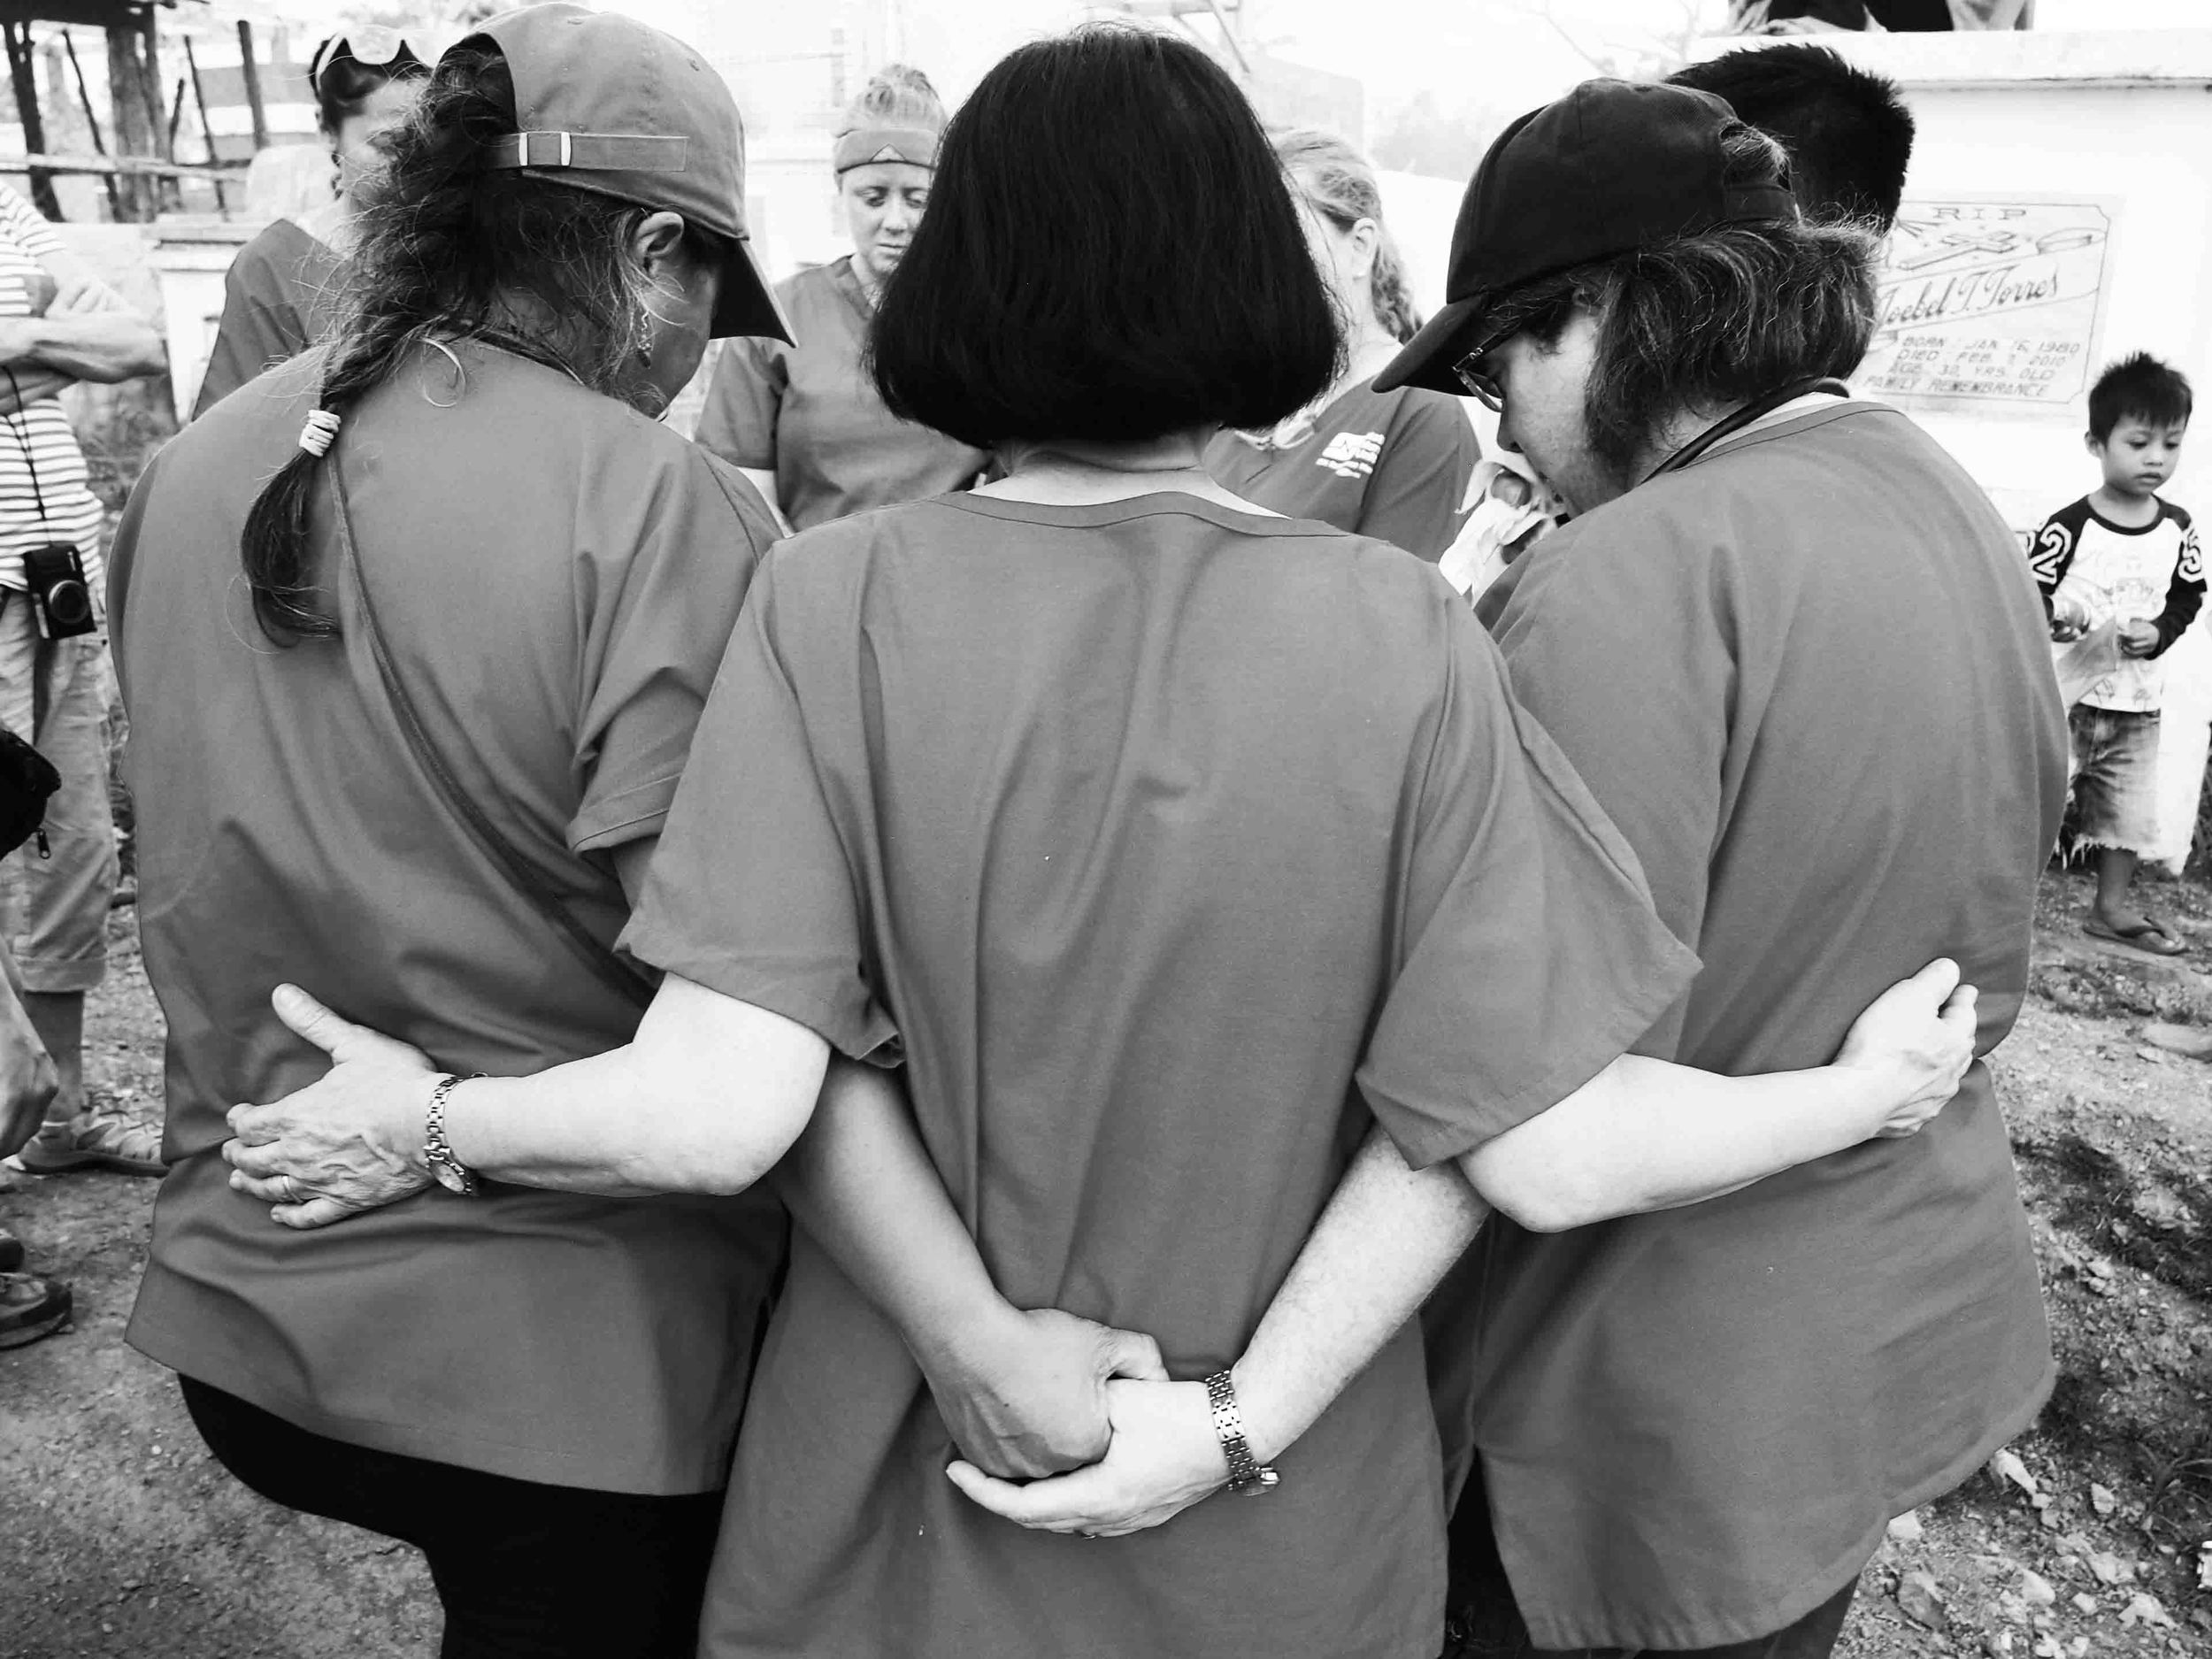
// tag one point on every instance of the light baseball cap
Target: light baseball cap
(607, 104)
(1613, 167)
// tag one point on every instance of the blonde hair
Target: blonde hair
(897, 94)
(1338, 183)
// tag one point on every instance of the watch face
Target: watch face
(450, 1177)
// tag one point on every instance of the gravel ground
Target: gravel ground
(119, 1536)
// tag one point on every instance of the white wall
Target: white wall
(2123, 115)
(2120, 115)
(2149, 147)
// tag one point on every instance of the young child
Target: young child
(2121, 557)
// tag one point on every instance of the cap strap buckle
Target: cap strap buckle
(589, 152)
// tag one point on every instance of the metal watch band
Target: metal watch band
(437, 1152)
(1247, 1476)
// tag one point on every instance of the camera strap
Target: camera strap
(620, 976)
(23, 442)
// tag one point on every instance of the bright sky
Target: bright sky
(1482, 51)
(1502, 53)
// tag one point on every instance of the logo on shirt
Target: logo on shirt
(1352, 453)
(2054, 546)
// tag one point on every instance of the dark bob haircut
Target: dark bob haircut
(1710, 319)
(1110, 254)
(1847, 131)
(2142, 389)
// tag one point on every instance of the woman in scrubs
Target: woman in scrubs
(805, 421)
(277, 292)
(1393, 466)
(1226, 915)
(413, 639)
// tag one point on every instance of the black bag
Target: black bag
(28, 781)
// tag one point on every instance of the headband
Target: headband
(917, 146)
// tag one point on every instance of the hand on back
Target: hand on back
(348, 1141)
(1919, 1035)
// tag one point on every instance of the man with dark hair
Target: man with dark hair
(1794, 652)
(1847, 131)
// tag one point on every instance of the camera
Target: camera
(61, 597)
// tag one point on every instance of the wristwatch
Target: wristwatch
(437, 1151)
(1247, 1476)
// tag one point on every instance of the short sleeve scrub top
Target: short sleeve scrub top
(1395, 465)
(1694, 1424)
(276, 297)
(1172, 846)
(557, 609)
(811, 414)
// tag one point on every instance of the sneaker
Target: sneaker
(31, 1307)
(10, 1251)
(94, 1141)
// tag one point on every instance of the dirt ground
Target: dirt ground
(119, 1536)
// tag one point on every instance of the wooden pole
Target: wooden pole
(253, 85)
(92, 120)
(170, 199)
(137, 126)
(123, 167)
(23, 73)
(207, 128)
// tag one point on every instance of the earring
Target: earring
(645, 341)
(337, 173)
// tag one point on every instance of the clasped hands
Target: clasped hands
(1062, 1424)
(1065, 1426)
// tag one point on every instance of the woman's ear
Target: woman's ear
(658, 241)
(1364, 240)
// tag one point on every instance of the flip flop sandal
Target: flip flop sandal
(2137, 938)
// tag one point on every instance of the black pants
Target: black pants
(1485, 1624)
(525, 1570)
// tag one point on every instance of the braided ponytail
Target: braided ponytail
(1394, 297)
(1338, 183)
(448, 250)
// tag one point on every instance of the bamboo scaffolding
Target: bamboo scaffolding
(119, 166)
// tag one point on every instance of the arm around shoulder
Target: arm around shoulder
(1647, 1134)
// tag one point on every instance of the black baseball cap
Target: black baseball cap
(608, 104)
(1613, 167)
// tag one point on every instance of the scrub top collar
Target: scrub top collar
(847, 281)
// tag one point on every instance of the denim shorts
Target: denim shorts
(2112, 758)
(53, 695)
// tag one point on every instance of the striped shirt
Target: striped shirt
(41, 435)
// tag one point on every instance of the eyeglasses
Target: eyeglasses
(1484, 387)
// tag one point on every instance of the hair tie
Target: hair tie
(316, 436)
